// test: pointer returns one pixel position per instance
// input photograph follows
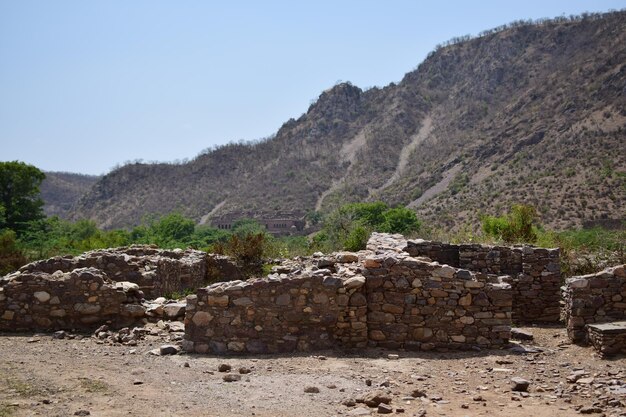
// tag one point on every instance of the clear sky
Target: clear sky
(86, 85)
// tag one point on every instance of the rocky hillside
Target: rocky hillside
(61, 190)
(532, 113)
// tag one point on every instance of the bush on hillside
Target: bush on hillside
(517, 226)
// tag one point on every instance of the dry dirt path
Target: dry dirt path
(40, 376)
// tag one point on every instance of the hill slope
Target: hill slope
(61, 190)
(532, 113)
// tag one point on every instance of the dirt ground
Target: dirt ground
(43, 376)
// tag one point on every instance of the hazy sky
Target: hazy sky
(85, 85)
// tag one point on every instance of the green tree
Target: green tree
(246, 227)
(349, 226)
(19, 195)
(169, 231)
(173, 228)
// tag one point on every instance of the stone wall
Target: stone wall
(275, 315)
(422, 305)
(104, 287)
(535, 273)
(381, 297)
(156, 271)
(607, 338)
(594, 298)
(80, 299)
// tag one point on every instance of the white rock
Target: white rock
(578, 283)
(444, 272)
(354, 282)
(42, 296)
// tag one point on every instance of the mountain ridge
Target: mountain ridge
(504, 118)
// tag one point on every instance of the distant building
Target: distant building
(282, 224)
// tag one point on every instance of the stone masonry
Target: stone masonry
(103, 287)
(534, 273)
(592, 299)
(608, 338)
(80, 299)
(156, 271)
(381, 297)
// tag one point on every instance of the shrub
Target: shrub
(349, 226)
(357, 239)
(247, 250)
(11, 257)
(514, 227)
(400, 220)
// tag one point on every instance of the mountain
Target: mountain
(528, 112)
(61, 190)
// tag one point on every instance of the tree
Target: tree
(350, 226)
(19, 195)
(169, 231)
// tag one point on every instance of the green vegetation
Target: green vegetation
(11, 257)
(585, 251)
(6, 410)
(26, 235)
(175, 295)
(19, 195)
(24, 389)
(517, 226)
(459, 182)
(349, 226)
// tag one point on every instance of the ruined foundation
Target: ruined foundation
(382, 297)
(594, 299)
(102, 287)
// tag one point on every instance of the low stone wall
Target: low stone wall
(81, 299)
(535, 273)
(422, 305)
(156, 271)
(104, 287)
(607, 338)
(380, 298)
(594, 298)
(274, 315)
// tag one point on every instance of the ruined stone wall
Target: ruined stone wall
(104, 286)
(156, 271)
(221, 268)
(386, 298)
(535, 273)
(608, 338)
(302, 313)
(80, 299)
(425, 305)
(594, 298)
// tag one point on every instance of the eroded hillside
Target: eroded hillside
(534, 113)
(61, 190)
